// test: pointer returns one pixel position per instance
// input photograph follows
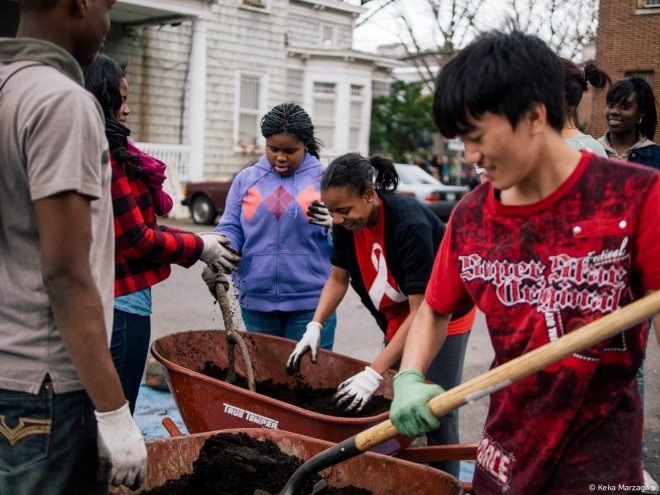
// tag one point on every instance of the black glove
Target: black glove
(319, 214)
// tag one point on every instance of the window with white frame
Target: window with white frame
(647, 75)
(328, 35)
(355, 118)
(249, 110)
(651, 3)
(325, 97)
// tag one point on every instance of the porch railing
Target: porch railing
(177, 159)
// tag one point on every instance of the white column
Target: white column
(197, 89)
(342, 110)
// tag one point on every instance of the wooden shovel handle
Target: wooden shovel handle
(531, 362)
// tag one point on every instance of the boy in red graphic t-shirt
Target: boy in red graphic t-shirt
(553, 240)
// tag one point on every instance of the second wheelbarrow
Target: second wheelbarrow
(170, 458)
(208, 404)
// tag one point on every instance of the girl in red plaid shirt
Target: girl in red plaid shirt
(144, 250)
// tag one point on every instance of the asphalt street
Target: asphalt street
(182, 302)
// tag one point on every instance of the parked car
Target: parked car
(418, 184)
(206, 200)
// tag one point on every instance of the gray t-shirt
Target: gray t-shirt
(52, 140)
(586, 142)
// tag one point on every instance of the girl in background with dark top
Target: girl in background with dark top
(144, 250)
(385, 245)
(631, 122)
(576, 82)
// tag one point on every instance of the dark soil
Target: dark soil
(302, 395)
(239, 464)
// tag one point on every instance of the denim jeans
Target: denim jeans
(288, 324)
(129, 348)
(48, 444)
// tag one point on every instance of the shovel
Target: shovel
(482, 385)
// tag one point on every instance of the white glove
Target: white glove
(217, 252)
(121, 448)
(319, 214)
(310, 341)
(354, 393)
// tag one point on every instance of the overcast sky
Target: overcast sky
(382, 27)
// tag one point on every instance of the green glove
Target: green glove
(410, 412)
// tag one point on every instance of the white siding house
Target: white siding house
(202, 73)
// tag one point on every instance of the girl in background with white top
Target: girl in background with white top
(576, 82)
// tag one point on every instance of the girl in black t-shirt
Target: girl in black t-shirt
(384, 244)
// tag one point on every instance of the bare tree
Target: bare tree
(568, 26)
(431, 31)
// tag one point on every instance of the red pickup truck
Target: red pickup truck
(206, 199)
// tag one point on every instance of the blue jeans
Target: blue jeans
(129, 348)
(54, 447)
(288, 324)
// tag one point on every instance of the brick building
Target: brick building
(627, 44)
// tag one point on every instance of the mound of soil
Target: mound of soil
(302, 395)
(239, 464)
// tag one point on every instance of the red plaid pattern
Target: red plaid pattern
(143, 249)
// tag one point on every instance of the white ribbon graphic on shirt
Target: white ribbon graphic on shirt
(381, 286)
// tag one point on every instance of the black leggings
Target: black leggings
(446, 370)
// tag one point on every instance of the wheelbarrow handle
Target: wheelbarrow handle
(485, 384)
(522, 366)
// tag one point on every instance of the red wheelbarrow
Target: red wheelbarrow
(170, 458)
(207, 404)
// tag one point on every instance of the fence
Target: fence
(177, 159)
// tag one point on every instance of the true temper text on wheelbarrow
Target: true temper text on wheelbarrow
(250, 416)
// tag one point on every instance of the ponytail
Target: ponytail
(596, 77)
(357, 172)
(386, 179)
(576, 83)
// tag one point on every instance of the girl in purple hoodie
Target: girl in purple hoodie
(285, 253)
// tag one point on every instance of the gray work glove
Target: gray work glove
(122, 454)
(211, 279)
(319, 214)
(353, 394)
(310, 341)
(217, 252)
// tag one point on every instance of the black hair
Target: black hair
(103, 79)
(357, 172)
(291, 118)
(646, 102)
(36, 5)
(500, 73)
(576, 83)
